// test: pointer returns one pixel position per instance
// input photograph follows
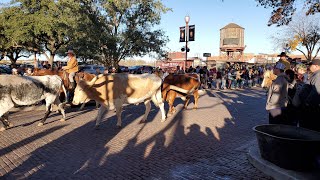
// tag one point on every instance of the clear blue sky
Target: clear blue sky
(209, 16)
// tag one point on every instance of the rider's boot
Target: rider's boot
(73, 85)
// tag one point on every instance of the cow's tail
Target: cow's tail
(65, 94)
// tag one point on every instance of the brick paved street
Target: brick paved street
(208, 143)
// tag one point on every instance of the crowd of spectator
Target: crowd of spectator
(294, 96)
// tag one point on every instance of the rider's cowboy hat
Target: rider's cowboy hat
(70, 52)
(283, 54)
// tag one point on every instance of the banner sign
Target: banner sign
(206, 54)
(191, 32)
(182, 34)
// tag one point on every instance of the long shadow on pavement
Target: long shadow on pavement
(180, 148)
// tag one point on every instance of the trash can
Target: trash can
(289, 147)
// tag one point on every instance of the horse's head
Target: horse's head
(268, 77)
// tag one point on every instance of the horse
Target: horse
(268, 77)
(62, 74)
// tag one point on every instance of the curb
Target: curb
(275, 171)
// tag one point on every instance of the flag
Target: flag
(191, 32)
(182, 34)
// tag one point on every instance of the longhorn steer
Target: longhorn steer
(86, 77)
(28, 90)
(113, 90)
(181, 85)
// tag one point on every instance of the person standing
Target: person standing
(277, 99)
(284, 60)
(72, 67)
(311, 103)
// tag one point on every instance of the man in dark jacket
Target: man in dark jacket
(312, 101)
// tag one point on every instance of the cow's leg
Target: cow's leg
(118, 106)
(170, 98)
(5, 122)
(196, 98)
(97, 104)
(82, 106)
(101, 112)
(157, 100)
(5, 105)
(48, 111)
(147, 111)
(186, 102)
(60, 106)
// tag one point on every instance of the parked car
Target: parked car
(5, 69)
(141, 69)
(92, 68)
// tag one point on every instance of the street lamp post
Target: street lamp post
(187, 19)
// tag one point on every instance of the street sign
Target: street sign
(206, 54)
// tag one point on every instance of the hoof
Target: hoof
(163, 120)
(40, 124)
(143, 121)
(10, 124)
(97, 127)
(119, 126)
(62, 120)
(2, 129)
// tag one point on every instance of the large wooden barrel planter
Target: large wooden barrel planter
(289, 147)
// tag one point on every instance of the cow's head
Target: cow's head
(80, 94)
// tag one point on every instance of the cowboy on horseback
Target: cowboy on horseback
(72, 68)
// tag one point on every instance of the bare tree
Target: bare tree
(302, 34)
(284, 10)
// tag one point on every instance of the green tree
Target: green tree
(12, 40)
(126, 29)
(283, 10)
(44, 25)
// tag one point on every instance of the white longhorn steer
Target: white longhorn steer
(113, 90)
(28, 90)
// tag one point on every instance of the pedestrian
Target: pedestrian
(97, 71)
(28, 72)
(179, 70)
(113, 70)
(311, 100)
(72, 67)
(14, 71)
(301, 71)
(284, 60)
(277, 99)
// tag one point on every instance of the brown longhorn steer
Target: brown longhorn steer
(181, 85)
(86, 77)
(113, 90)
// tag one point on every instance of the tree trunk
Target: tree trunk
(35, 62)
(51, 60)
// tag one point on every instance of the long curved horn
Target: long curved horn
(91, 83)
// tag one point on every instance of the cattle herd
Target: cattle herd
(110, 91)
